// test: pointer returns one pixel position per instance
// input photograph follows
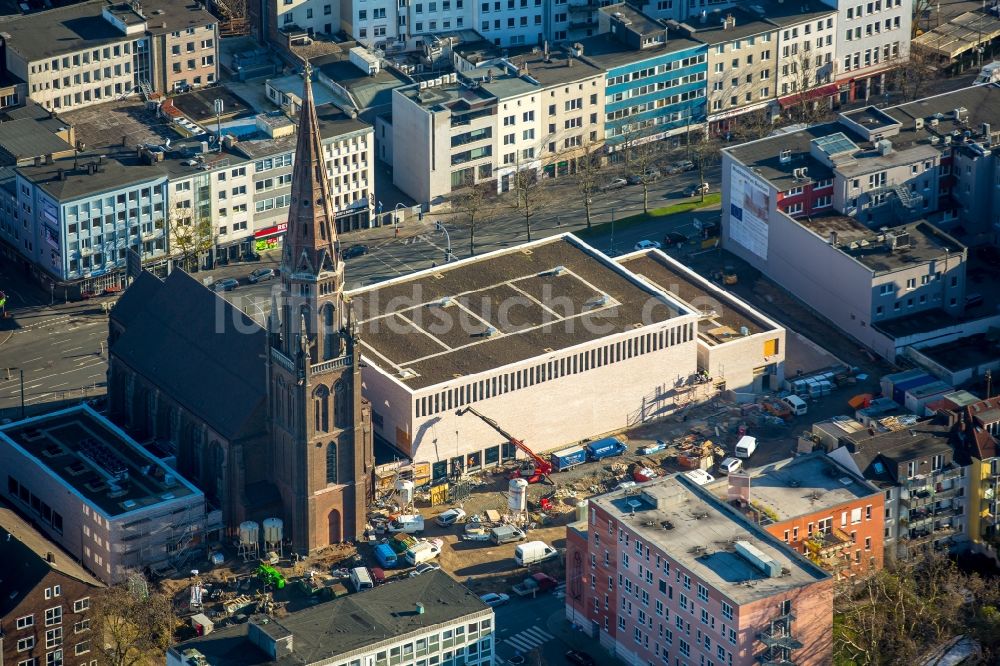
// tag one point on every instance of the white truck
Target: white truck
(534, 552)
(408, 524)
(423, 551)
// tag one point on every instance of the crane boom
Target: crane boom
(542, 466)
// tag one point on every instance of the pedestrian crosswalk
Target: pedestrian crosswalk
(529, 639)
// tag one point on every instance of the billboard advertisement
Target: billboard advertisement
(749, 209)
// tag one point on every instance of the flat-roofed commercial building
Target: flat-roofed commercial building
(668, 573)
(97, 493)
(738, 347)
(553, 340)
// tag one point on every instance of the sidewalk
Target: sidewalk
(559, 626)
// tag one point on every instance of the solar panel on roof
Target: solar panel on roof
(835, 144)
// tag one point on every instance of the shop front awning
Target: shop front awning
(808, 95)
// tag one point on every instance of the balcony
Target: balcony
(332, 364)
(779, 638)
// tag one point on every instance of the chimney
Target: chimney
(420, 608)
(546, 50)
(729, 23)
(62, 175)
(50, 557)
(124, 140)
(833, 238)
(48, 158)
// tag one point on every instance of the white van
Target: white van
(534, 552)
(699, 476)
(730, 466)
(746, 446)
(361, 579)
(424, 551)
(796, 404)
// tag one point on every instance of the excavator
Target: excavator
(536, 471)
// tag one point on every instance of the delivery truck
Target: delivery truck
(567, 458)
(534, 552)
(605, 448)
(425, 551)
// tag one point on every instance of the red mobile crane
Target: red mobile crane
(542, 467)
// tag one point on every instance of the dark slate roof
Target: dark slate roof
(25, 138)
(202, 352)
(349, 623)
(135, 298)
(23, 551)
(878, 455)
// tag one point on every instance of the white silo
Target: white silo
(249, 539)
(404, 489)
(518, 500)
(273, 534)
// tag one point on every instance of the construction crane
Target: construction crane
(542, 467)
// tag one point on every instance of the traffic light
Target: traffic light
(420, 215)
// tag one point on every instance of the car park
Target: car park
(494, 599)
(227, 284)
(260, 275)
(647, 245)
(354, 251)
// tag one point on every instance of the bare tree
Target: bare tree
(588, 174)
(642, 164)
(190, 237)
(531, 194)
(475, 205)
(753, 125)
(921, 10)
(131, 626)
(913, 75)
(705, 152)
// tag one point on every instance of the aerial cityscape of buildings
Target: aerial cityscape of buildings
(533, 331)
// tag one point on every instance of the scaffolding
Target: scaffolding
(232, 15)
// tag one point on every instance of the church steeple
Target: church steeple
(311, 244)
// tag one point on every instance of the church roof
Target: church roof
(135, 298)
(200, 350)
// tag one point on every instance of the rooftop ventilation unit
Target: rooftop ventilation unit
(918, 123)
(785, 156)
(558, 270)
(935, 140)
(758, 558)
(935, 122)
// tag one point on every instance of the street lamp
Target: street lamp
(395, 219)
(447, 253)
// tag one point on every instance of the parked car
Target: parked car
(579, 658)
(695, 190)
(615, 184)
(647, 176)
(649, 449)
(674, 238)
(730, 466)
(450, 517)
(681, 167)
(494, 599)
(532, 585)
(227, 284)
(260, 275)
(354, 251)
(647, 245)
(424, 567)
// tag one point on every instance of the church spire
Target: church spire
(311, 244)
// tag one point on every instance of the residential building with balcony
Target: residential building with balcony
(670, 573)
(430, 618)
(831, 515)
(290, 20)
(655, 77)
(977, 427)
(94, 491)
(46, 597)
(925, 485)
(94, 52)
(876, 192)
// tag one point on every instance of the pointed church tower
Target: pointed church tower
(321, 431)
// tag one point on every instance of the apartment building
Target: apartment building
(96, 52)
(655, 77)
(872, 37)
(95, 492)
(975, 431)
(80, 216)
(807, 47)
(926, 487)
(45, 612)
(739, 348)
(425, 362)
(832, 516)
(289, 19)
(669, 573)
(876, 193)
(430, 618)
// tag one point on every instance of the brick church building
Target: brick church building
(268, 422)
